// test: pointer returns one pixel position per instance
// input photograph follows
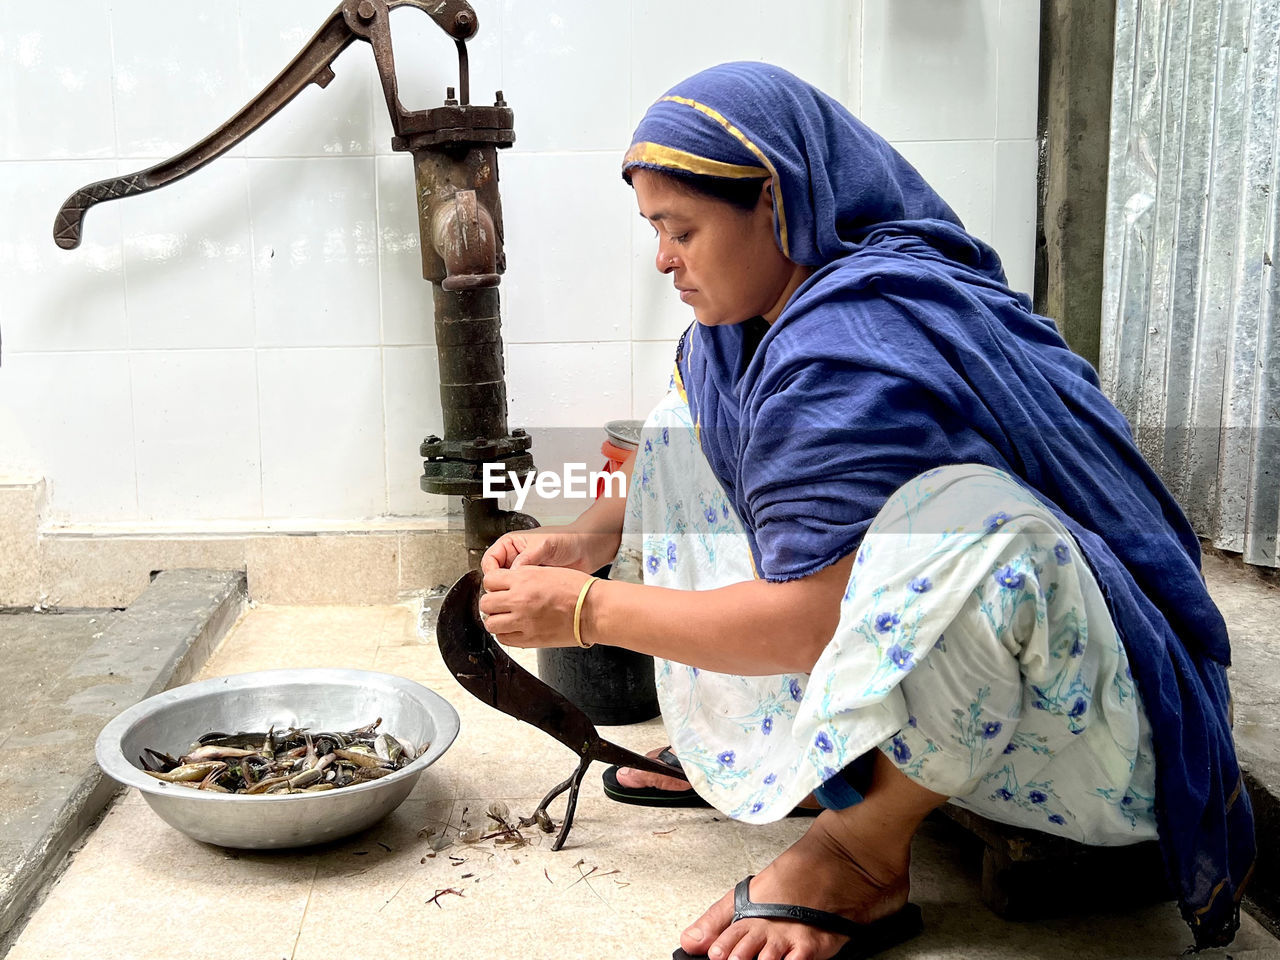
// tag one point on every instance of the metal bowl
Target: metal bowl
(317, 699)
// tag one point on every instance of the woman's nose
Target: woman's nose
(665, 261)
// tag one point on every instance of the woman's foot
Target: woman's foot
(854, 862)
(634, 779)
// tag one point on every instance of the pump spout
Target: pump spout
(463, 234)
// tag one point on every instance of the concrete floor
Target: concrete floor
(624, 885)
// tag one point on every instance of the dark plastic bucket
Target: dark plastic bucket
(610, 685)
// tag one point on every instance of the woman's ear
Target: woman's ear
(766, 193)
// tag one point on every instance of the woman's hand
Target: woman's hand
(542, 546)
(531, 606)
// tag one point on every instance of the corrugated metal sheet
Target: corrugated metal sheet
(1190, 337)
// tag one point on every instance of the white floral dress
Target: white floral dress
(974, 648)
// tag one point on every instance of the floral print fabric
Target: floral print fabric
(974, 648)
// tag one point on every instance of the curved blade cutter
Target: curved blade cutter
(480, 664)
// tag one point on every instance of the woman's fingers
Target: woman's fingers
(497, 582)
(530, 606)
(543, 547)
(537, 552)
(502, 554)
(490, 607)
(505, 628)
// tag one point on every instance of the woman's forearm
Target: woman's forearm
(601, 523)
(753, 628)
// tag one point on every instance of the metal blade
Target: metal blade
(482, 667)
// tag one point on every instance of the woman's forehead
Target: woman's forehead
(664, 198)
(660, 198)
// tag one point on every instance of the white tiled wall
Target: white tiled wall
(255, 342)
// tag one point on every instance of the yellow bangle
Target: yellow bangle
(577, 612)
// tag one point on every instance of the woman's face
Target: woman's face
(723, 260)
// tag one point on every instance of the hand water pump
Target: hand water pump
(455, 159)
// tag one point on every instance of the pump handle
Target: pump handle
(366, 20)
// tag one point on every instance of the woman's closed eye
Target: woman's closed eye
(682, 238)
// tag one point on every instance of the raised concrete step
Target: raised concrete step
(50, 786)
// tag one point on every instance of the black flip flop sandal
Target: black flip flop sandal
(651, 796)
(654, 797)
(865, 939)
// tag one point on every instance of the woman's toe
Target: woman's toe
(738, 943)
(697, 938)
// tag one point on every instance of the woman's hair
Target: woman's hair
(742, 194)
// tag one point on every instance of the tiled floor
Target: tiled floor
(626, 882)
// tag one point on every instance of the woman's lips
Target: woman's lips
(686, 294)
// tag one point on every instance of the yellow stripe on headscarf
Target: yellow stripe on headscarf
(1212, 896)
(679, 384)
(697, 427)
(664, 156)
(756, 151)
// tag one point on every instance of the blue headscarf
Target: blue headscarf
(906, 350)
